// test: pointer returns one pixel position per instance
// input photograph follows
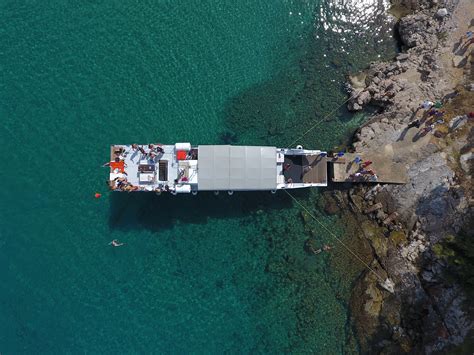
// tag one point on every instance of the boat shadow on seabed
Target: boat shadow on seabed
(138, 210)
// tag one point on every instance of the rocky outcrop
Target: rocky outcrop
(403, 223)
(419, 30)
(380, 85)
(420, 34)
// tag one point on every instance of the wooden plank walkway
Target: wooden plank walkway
(387, 171)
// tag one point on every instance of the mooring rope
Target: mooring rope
(339, 240)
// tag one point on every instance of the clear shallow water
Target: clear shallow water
(201, 274)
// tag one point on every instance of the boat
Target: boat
(183, 168)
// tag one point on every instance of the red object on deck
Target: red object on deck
(181, 154)
(97, 195)
(117, 165)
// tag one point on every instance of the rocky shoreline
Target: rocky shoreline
(406, 226)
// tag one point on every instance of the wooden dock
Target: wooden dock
(386, 170)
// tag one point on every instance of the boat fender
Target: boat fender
(300, 147)
(230, 192)
(216, 193)
(273, 191)
(194, 193)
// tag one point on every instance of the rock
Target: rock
(357, 81)
(403, 56)
(427, 276)
(381, 215)
(458, 122)
(374, 303)
(373, 208)
(398, 237)
(415, 30)
(330, 206)
(388, 285)
(466, 162)
(439, 134)
(459, 61)
(357, 202)
(369, 195)
(363, 98)
(442, 12)
(354, 106)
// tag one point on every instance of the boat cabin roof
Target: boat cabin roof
(226, 167)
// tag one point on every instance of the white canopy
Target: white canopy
(225, 167)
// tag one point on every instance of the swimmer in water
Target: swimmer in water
(327, 247)
(116, 243)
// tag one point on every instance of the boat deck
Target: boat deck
(156, 167)
(306, 169)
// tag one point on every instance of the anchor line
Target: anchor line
(335, 237)
(323, 119)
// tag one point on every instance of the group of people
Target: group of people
(432, 116)
(363, 172)
(467, 40)
(122, 184)
(153, 150)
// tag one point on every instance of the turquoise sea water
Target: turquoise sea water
(200, 274)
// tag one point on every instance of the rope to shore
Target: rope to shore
(323, 119)
(381, 279)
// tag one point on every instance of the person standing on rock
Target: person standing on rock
(426, 105)
(416, 123)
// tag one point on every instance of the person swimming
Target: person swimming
(116, 243)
